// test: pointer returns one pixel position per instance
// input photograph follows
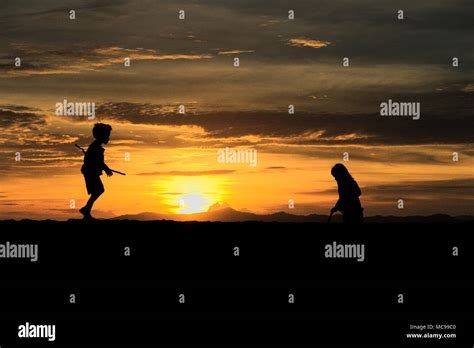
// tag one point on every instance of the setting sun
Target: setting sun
(193, 203)
(191, 194)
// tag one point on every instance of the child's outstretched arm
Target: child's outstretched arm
(107, 170)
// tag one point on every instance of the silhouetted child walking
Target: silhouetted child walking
(94, 165)
(349, 192)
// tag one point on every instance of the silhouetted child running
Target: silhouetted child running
(94, 165)
(349, 192)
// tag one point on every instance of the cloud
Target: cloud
(469, 88)
(50, 9)
(436, 126)
(462, 188)
(15, 117)
(303, 42)
(16, 108)
(48, 60)
(115, 55)
(191, 172)
(430, 29)
(235, 52)
(270, 22)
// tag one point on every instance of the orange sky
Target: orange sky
(180, 180)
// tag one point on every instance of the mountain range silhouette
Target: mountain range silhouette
(224, 213)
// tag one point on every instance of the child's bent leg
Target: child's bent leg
(95, 188)
(86, 210)
(92, 199)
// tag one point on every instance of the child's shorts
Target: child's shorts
(93, 184)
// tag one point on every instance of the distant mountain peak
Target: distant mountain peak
(218, 206)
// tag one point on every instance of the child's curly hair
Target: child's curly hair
(101, 129)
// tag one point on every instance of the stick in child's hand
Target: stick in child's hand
(80, 148)
(116, 171)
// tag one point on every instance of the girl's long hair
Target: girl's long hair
(340, 173)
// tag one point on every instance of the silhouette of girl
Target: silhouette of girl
(349, 192)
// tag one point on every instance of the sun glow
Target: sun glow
(193, 203)
(192, 194)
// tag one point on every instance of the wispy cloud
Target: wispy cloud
(191, 172)
(54, 61)
(20, 118)
(452, 187)
(118, 54)
(235, 52)
(469, 88)
(270, 22)
(304, 42)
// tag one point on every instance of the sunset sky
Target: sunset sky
(173, 165)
